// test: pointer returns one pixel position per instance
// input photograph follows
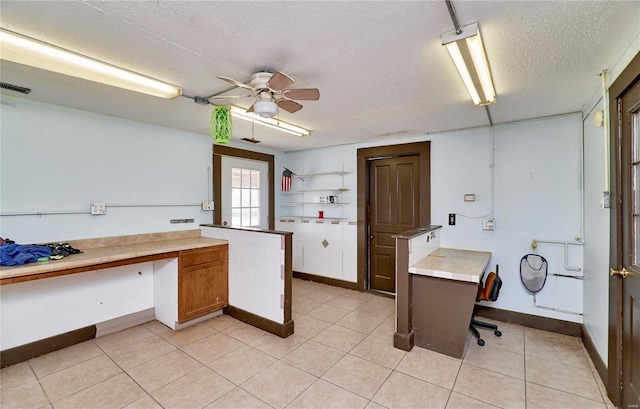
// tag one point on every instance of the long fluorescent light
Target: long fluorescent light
(468, 54)
(24, 50)
(241, 113)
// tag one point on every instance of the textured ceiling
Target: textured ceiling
(380, 66)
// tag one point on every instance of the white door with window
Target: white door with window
(245, 196)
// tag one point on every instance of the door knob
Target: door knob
(622, 273)
(371, 237)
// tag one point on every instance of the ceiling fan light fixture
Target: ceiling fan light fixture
(27, 51)
(467, 53)
(266, 108)
(241, 113)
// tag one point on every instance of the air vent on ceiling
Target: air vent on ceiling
(15, 88)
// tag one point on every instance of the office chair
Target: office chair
(487, 291)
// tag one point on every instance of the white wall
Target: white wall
(596, 249)
(331, 159)
(536, 196)
(597, 222)
(59, 159)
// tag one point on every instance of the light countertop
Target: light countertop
(103, 255)
(453, 264)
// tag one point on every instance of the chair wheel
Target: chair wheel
(481, 342)
(497, 333)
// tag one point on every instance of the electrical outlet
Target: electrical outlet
(98, 208)
(470, 197)
(207, 205)
(489, 224)
(452, 219)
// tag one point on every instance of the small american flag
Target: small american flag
(287, 176)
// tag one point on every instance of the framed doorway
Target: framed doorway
(220, 152)
(623, 386)
(403, 166)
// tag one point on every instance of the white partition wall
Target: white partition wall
(256, 270)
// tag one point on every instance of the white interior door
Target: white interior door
(245, 196)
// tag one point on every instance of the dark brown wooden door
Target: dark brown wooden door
(627, 243)
(394, 204)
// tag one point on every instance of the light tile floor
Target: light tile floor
(341, 356)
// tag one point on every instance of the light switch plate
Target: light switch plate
(606, 200)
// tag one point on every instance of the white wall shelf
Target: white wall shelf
(307, 194)
(313, 175)
(296, 192)
(289, 204)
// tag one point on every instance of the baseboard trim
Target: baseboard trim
(281, 330)
(124, 322)
(44, 346)
(532, 321)
(193, 321)
(601, 368)
(326, 280)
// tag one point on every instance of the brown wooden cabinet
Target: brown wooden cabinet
(202, 281)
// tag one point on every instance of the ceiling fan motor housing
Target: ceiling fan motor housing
(259, 80)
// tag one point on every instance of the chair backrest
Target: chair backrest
(491, 288)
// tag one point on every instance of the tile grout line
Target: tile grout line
(595, 374)
(457, 374)
(345, 353)
(46, 395)
(134, 381)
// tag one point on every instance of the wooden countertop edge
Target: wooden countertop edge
(88, 265)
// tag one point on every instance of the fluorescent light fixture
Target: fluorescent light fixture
(241, 113)
(24, 50)
(468, 54)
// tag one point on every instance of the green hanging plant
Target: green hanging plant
(221, 124)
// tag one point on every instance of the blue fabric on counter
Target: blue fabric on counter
(18, 254)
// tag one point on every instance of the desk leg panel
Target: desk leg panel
(403, 337)
(442, 311)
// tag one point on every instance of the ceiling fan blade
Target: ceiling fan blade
(251, 108)
(280, 81)
(304, 94)
(289, 106)
(230, 96)
(236, 83)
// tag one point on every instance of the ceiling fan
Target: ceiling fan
(271, 91)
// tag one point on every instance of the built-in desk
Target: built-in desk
(436, 291)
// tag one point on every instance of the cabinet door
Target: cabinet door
(202, 289)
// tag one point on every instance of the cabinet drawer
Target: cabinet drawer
(204, 255)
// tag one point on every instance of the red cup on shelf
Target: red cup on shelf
(320, 214)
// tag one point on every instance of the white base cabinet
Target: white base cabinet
(326, 248)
